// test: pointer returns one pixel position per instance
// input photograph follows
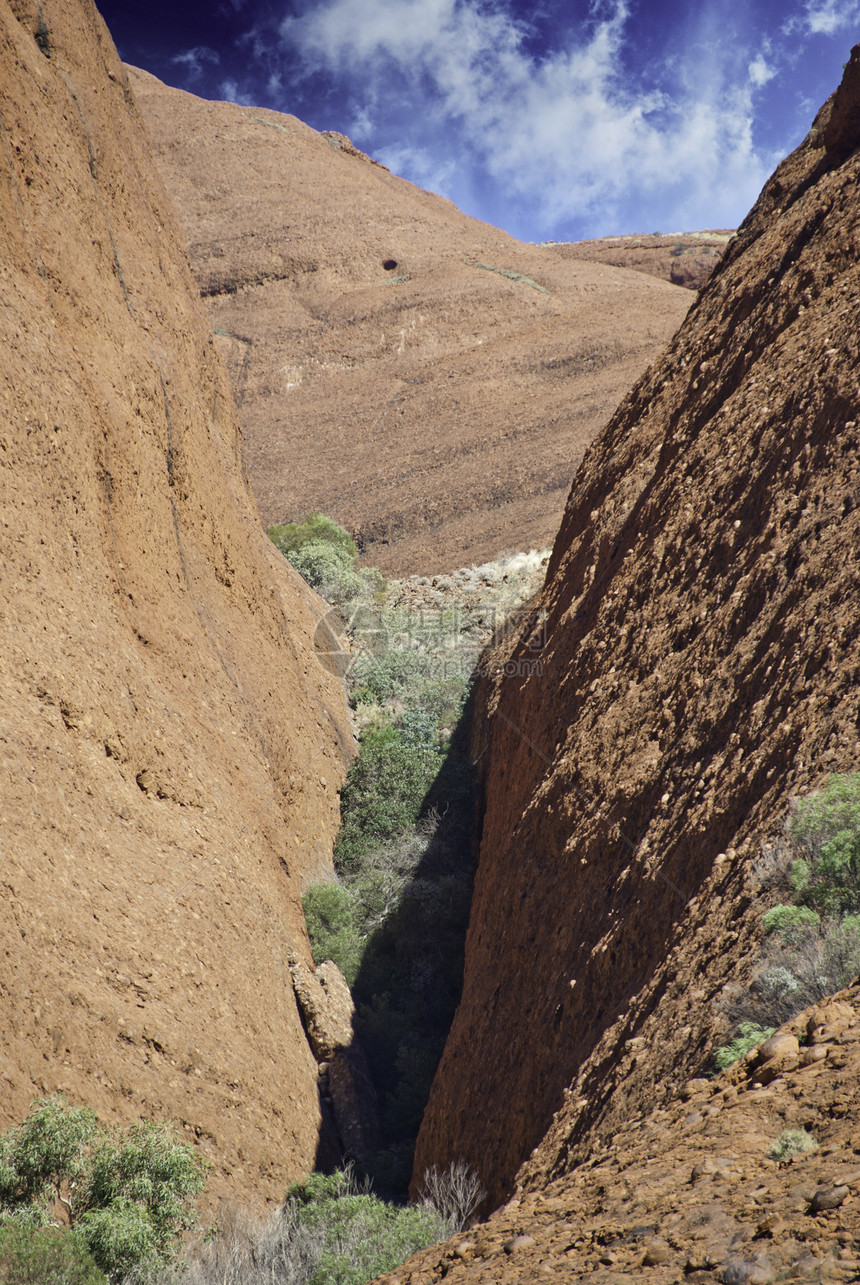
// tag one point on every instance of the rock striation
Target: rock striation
(170, 751)
(421, 377)
(691, 663)
(686, 259)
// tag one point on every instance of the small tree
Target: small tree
(126, 1194)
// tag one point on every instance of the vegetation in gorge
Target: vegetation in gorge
(330, 1230)
(395, 921)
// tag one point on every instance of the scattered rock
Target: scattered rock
(825, 1198)
(657, 1251)
(518, 1242)
(780, 1046)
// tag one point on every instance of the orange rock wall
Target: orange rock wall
(170, 751)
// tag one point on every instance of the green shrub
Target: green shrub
(825, 827)
(362, 1236)
(330, 915)
(748, 1036)
(329, 570)
(127, 1194)
(384, 792)
(325, 555)
(31, 1255)
(791, 1142)
(786, 921)
(812, 943)
(290, 537)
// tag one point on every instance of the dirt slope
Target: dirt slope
(690, 1192)
(685, 259)
(698, 647)
(169, 750)
(437, 405)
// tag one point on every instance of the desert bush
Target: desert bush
(126, 1194)
(791, 1142)
(788, 921)
(325, 555)
(362, 1236)
(330, 1231)
(32, 1255)
(749, 1034)
(812, 940)
(825, 832)
(814, 961)
(331, 921)
(455, 1193)
(316, 528)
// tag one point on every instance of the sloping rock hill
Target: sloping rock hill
(425, 379)
(685, 259)
(704, 1189)
(698, 642)
(170, 752)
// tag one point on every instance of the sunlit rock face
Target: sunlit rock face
(170, 752)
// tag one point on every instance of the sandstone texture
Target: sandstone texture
(423, 378)
(691, 663)
(686, 259)
(170, 751)
(693, 1190)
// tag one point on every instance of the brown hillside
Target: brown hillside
(686, 259)
(170, 753)
(436, 406)
(699, 646)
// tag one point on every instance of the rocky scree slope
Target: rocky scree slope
(421, 377)
(170, 751)
(711, 1187)
(699, 644)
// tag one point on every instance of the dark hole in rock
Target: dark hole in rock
(389, 264)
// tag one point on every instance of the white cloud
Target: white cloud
(826, 17)
(231, 92)
(567, 135)
(194, 59)
(760, 71)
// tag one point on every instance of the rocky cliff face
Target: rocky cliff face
(170, 752)
(425, 379)
(691, 663)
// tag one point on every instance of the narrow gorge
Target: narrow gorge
(176, 737)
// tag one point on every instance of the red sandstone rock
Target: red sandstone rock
(436, 406)
(690, 665)
(165, 732)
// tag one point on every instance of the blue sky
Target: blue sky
(555, 121)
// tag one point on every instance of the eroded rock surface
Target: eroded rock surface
(423, 378)
(691, 664)
(170, 751)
